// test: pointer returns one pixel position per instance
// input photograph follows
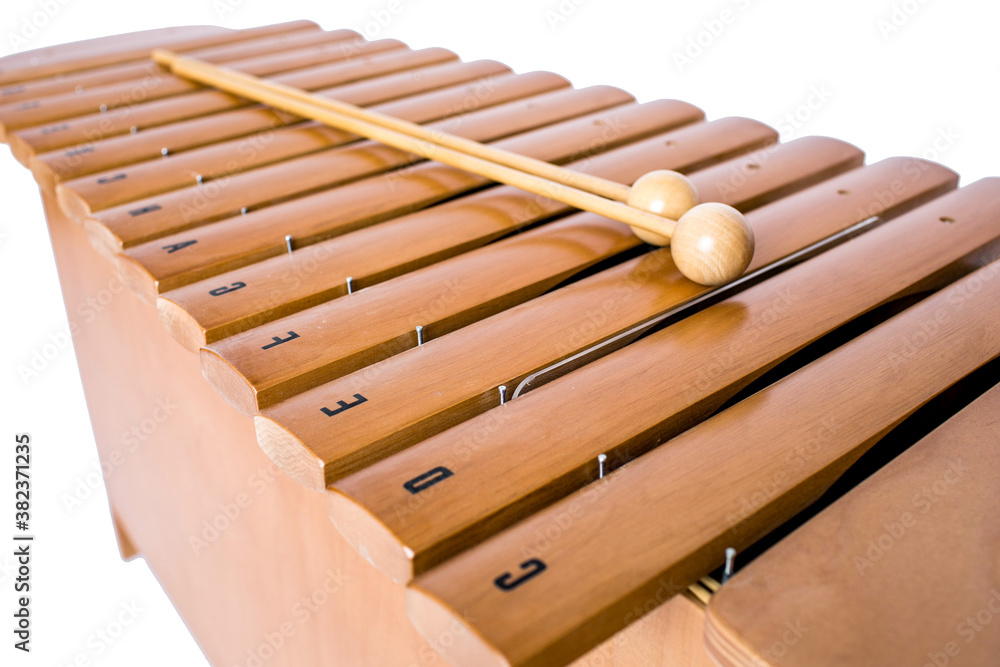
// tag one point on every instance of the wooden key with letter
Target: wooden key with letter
(533, 599)
(439, 393)
(713, 354)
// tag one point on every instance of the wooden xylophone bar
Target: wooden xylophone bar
(83, 95)
(421, 238)
(711, 243)
(97, 152)
(456, 91)
(271, 39)
(682, 384)
(927, 496)
(457, 385)
(557, 143)
(564, 317)
(694, 485)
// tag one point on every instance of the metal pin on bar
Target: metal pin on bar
(420, 335)
(350, 285)
(164, 152)
(104, 108)
(288, 243)
(601, 459)
(198, 178)
(243, 211)
(503, 394)
(133, 130)
(727, 571)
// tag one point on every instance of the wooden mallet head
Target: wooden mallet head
(710, 243)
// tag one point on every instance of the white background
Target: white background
(893, 77)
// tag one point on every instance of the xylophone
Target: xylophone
(423, 417)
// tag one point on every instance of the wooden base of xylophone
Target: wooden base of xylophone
(247, 555)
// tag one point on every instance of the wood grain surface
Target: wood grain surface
(83, 196)
(457, 376)
(112, 96)
(55, 61)
(348, 334)
(662, 384)
(288, 283)
(265, 186)
(87, 79)
(905, 564)
(320, 68)
(577, 584)
(229, 243)
(99, 154)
